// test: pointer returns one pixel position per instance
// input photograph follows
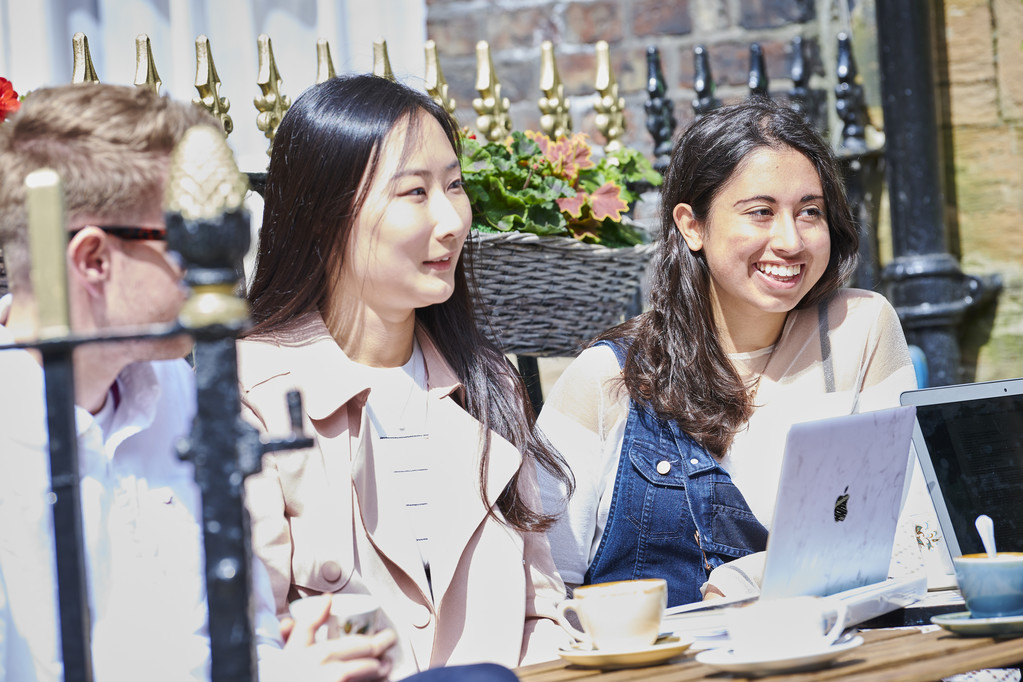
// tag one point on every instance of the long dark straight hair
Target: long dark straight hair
(675, 363)
(329, 139)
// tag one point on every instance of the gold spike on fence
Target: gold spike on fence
(556, 120)
(145, 67)
(492, 109)
(436, 86)
(47, 235)
(207, 82)
(83, 70)
(324, 64)
(271, 104)
(610, 119)
(381, 62)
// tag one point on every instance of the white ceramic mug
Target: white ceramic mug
(619, 616)
(350, 614)
(776, 627)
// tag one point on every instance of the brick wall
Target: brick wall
(516, 28)
(985, 69)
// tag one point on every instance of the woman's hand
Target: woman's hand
(346, 659)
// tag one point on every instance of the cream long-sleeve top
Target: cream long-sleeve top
(585, 414)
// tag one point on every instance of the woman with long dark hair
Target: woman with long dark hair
(674, 422)
(421, 488)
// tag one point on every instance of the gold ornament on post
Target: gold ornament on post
(145, 68)
(554, 106)
(48, 238)
(381, 63)
(493, 120)
(324, 64)
(83, 71)
(271, 104)
(207, 82)
(610, 120)
(205, 186)
(436, 85)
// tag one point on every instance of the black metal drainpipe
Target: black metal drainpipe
(923, 281)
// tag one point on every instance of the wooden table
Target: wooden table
(906, 655)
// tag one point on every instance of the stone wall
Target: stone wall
(985, 73)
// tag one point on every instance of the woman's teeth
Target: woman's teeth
(779, 270)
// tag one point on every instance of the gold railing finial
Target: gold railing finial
(145, 68)
(271, 104)
(324, 64)
(610, 120)
(207, 82)
(205, 188)
(83, 70)
(556, 120)
(381, 63)
(436, 85)
(204, 181)
(493, 120)
(48, 237)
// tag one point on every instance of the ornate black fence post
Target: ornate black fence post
(660, 111)
(924, 280)
(703, 83)
(209, 227)
(758, 82)
(862, 168)
(48, 235)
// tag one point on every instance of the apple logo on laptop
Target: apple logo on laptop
(842, 506)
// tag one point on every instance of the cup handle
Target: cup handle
(577, 634)
(841, 612)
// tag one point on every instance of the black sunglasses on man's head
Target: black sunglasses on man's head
(128, 232)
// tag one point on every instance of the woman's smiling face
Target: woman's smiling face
(408, 237)
(765, 239)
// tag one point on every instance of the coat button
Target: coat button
(420, 616)
(331, 571)
(663, 467)
(694, 461)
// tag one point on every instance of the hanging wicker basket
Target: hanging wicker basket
(549, 296)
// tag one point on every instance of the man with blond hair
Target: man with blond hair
(141, 511)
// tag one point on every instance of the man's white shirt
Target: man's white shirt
(142, 516)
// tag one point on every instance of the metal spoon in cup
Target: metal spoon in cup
(986, 528)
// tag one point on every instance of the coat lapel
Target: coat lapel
(459, 510)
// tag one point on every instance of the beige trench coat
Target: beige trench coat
(324, 521)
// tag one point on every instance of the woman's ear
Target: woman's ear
(688, 226)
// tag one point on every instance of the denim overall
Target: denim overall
(675, 513)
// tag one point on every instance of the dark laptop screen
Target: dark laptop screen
(976, 449)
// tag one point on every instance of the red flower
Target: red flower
(8, 99)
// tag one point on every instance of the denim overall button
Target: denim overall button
(664, 467)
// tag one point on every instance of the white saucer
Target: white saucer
(664, 649)
(961, 624)
(731, 661)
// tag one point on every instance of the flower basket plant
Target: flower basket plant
(530, 183)
(555, 258)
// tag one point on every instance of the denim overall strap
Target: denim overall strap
(674, 514)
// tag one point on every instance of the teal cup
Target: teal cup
(991, 586)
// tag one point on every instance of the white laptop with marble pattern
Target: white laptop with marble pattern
(839, 497)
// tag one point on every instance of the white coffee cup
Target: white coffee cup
(618, 616)
(778, 627)
(350, 614)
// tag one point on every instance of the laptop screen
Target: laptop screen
(975, 448)
(970, 441)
